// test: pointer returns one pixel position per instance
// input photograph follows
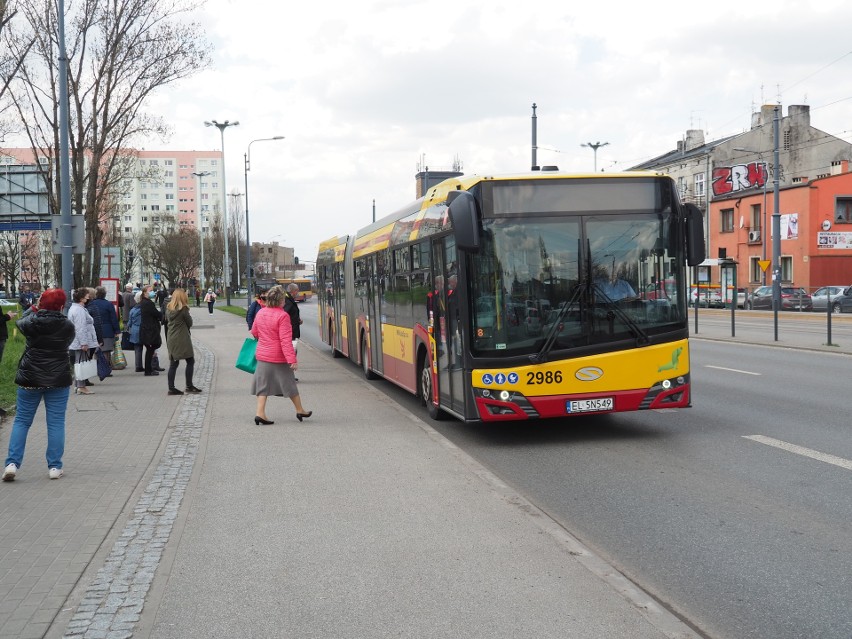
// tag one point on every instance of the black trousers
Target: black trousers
(149, 358)
(190, 368)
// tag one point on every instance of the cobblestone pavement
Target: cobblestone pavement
(112, 605)
(57, 536)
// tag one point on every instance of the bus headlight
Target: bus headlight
(505, 395)
(667, 384)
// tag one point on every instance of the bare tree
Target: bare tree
(9, 258)
(119, 53)
(175, 254)
(10, 61)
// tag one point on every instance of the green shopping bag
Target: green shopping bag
(246, 360)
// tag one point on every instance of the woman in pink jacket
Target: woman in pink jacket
(276, 359)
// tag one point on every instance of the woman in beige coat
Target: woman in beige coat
(179, 340)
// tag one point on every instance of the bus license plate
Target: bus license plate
(589, 405)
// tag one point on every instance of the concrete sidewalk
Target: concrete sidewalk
(808, 331)
(179, 517)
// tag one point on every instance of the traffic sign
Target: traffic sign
(764, 264)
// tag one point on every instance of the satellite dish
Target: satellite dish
(742, 221)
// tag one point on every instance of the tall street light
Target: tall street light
(200, 175)
(247, 159)
(222, 126)
(594, 146)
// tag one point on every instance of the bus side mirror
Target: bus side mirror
(695, 251)
(464, 219)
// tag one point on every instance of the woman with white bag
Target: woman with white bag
(85, 338)
(43, 376)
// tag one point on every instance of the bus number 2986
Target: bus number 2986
(544, 377)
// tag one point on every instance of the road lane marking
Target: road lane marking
(733, 370)
(799, 450)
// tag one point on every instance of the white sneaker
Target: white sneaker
(9, 472)
(55, 473)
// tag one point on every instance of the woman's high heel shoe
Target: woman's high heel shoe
(301, 416)
(259, 420)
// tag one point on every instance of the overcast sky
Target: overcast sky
(366, 91)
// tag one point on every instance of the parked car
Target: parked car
(792, 299)
(532, 323)
(841, 299)
(706, 297)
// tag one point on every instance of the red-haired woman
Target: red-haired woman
(44, 373)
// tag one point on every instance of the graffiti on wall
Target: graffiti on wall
(739, 177)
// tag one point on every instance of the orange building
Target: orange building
(816, 231)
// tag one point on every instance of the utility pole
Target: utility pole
(65, 234)
(776, 229)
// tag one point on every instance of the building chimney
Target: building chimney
(764, 116)
(694, 139)
(800, 114)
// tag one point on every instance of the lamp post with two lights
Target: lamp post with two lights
(222, 126)
(200, 175)
(594, 146)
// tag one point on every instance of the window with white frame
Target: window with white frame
(699, 184)
(755, 273)
(727, 221)
(786, 268)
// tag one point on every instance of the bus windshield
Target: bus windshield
(568, 281)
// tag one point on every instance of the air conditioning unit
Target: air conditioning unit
(754, 236)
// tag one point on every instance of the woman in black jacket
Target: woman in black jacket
(44, 373)
(149, 331)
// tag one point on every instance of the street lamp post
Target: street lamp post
(200, 175)
(222, 126)
(247, 160)
(594, 146)
(234, 195)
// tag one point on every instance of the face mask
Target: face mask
(152, 295)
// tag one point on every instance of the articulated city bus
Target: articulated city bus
(521, 297)
(305, 287)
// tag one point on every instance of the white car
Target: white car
(706, 297)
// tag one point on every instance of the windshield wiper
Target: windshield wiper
(641, 336)
(550, 340)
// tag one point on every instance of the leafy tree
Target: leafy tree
(120, 52)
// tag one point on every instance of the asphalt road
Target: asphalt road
(734, 513)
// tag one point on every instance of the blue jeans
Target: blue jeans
(55, 403)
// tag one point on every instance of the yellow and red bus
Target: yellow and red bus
(519, 297)
(305, 285)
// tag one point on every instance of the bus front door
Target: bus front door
(447, 329)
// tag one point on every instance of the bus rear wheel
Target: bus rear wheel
(424, 375)
(334, 352)
(365, 363)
